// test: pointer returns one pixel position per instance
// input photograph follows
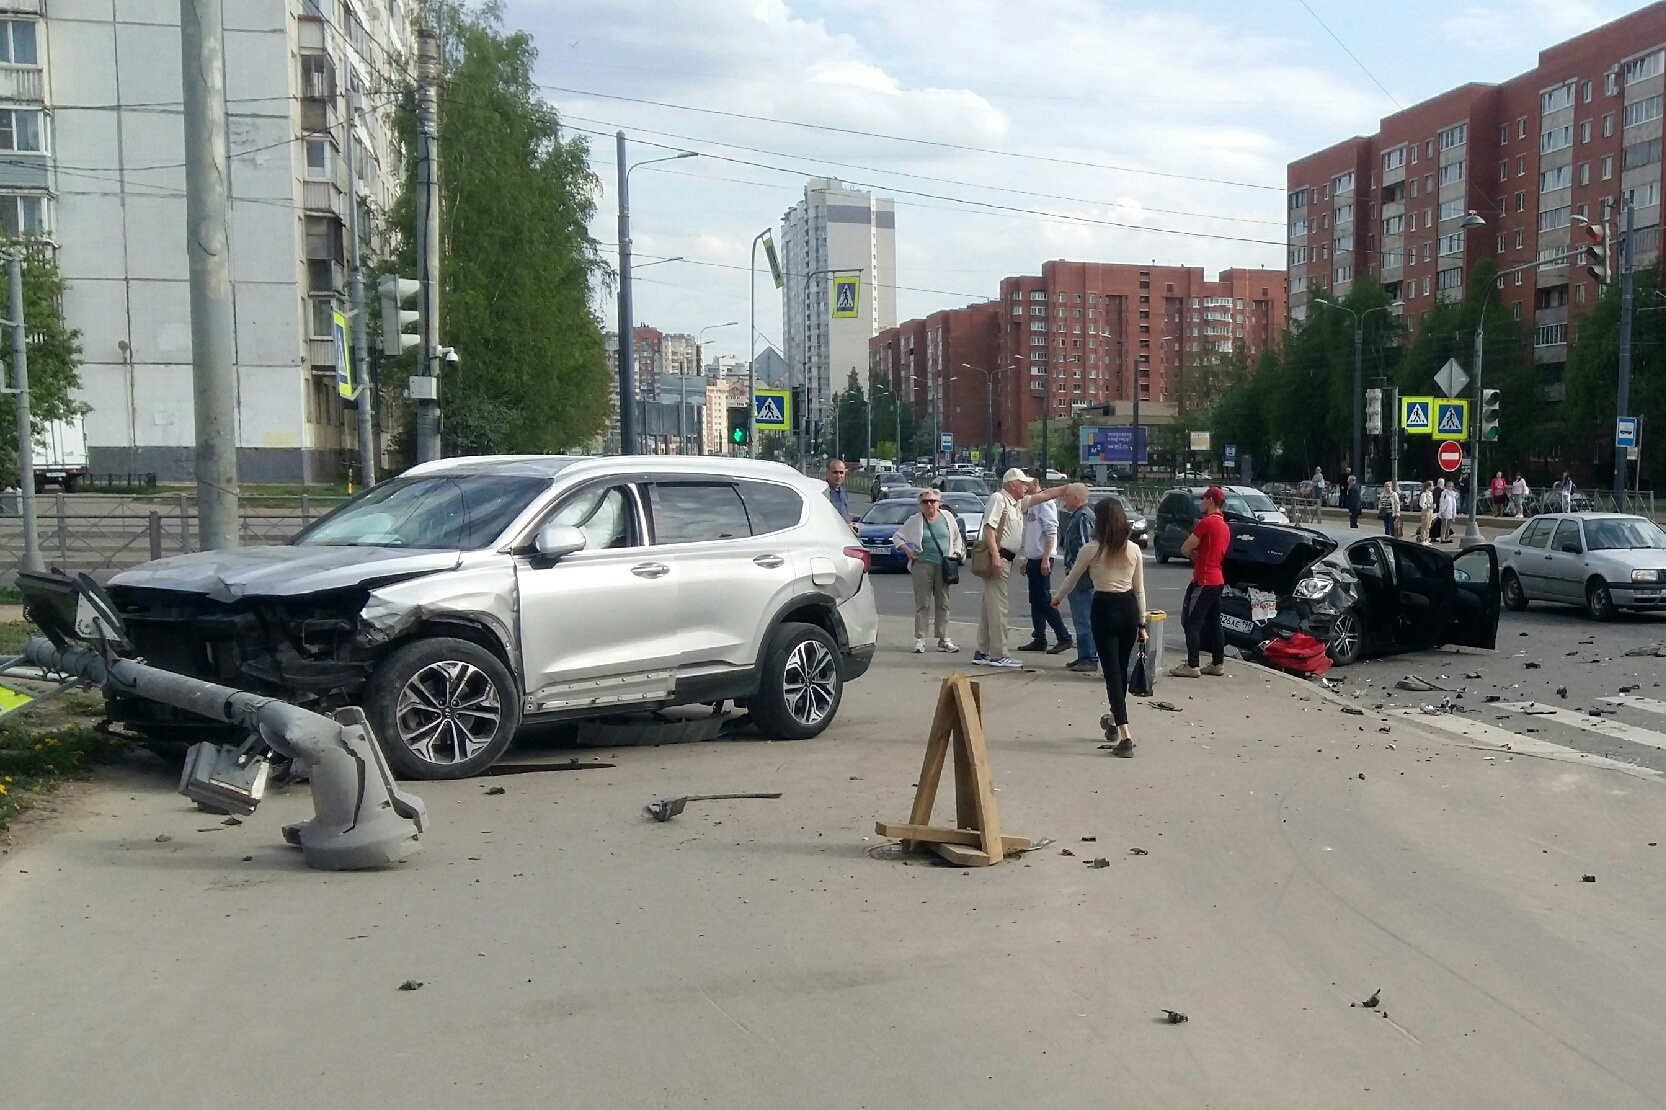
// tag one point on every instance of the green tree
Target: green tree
(852, 416)
(1592, 383)
(54, 350)
(517, 261)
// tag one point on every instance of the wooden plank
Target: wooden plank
(965, 788)
(931, 769)
(965, 857)
(988, 820)
(930, 834)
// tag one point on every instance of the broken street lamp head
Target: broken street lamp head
(73, 611)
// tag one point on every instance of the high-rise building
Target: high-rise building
(1080, 334)
(1574, 139)
(833, 235)
(95, 162)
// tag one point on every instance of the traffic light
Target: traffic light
(739, 427)
(399, 324)
(1489, 415)
(1598, 250)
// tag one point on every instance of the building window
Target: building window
(1608, 125)
(23, 215)
(20, 129)
(1394, 159)
(1452, 209)
(1501, 242)
(1454, 136)
(1344, 243)
(1561, 177)
(1503, 171)
(17, 42)
(1521, 128)
(1394, 225)
(1607, 166)
(1638, 155)
(1585, 132)
(1556, 138)
(1038, 310)
(1550, 335)
(1298, 228)
(1450, 279)
(1553, 218)
(1038, 325)
(1503, 134)
(1038, 294)
(1429, 181)
(1641, 112)
(1521, 165)
(322, 317)
(1585, 91)
(1556, 99)
(1342, 183)
(1521, 202)
(1584, 173)
(1344, 213)
(1611, 83)
(1518, 238)
(1451, 244)
(1642, 196)
(1652, 64)
(1425, 286)
(1343, 273)
(318, 159)
(1413, 190)
(1579, 293)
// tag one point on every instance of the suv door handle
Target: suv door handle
(769, 562)
(650, 570)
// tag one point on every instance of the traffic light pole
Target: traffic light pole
(1622, 397)
(428, 243)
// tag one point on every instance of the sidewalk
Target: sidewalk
(753, 955)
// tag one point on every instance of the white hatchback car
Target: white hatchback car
(469, 595)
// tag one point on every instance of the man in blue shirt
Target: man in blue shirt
(836, 492)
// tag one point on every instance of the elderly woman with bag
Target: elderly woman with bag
(1388, 508)
(1116, 565)
(935, 547)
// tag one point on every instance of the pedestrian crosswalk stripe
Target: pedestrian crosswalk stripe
(1602, 726)
(1647, 705)
(1513, 743)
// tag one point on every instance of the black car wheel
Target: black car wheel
(802, 683)
(1162, 556)
(1599, 602)
(1347, 639)
(1515, 598)
(442, 708)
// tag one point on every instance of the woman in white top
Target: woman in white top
(930, 538)
(1116, 567)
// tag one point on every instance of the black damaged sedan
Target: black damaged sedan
(1375, 596)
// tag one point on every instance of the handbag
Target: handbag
(1139, 674)
(949, 568)
(980, 560)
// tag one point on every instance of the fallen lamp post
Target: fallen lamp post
(361, 817)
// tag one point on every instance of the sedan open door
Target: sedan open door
(1473, 618)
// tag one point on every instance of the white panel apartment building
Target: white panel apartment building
(845, 231)
(111, 179)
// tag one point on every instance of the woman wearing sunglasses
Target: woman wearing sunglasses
(935, 547)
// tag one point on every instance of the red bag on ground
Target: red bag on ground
(1301, 653)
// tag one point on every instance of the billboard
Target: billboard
(1111, 446)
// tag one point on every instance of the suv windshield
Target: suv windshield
(1623, 535)
(445, 512)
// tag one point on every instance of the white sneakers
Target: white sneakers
(919, 647)
(946, 644)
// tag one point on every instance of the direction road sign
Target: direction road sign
(1415, 415)
(1450, 456)
(945, 443)
(772, 410)
(1229, 455)
(1451, 419)
(1625, 432)
(1451, 378)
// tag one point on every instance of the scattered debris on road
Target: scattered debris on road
(1372, 1002)
(1097, 862)
(1561, 691)
(1066, 852)
(1353, 711)
(1530, 665)
(1652, 649)
(667, 808)
(1175, 1017)
(1417, 685)
(1588, 878)
(411, 985)
(1472, 674)
(163, 838)
(495, 790)
(1138, 852)
(1167, 707)
(232, 821)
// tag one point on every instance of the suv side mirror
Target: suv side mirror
(554, 541)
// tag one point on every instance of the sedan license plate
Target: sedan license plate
(1235, 624)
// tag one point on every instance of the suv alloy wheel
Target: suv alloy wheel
(442, 708)
(801, 684)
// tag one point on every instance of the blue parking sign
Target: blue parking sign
(1625, 433)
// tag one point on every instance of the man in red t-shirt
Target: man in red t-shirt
(1200, 614)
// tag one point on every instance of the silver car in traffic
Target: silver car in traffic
(1604, 562)
(466, 596)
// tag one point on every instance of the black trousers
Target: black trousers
(1042, 614)
(1116, 626)
(1200, 616)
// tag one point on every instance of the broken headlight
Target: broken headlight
(1312, 588)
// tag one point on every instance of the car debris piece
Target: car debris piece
(163, 838)
(1588, 878)
(1652, 649)
(1138, 852)
(494, 790)
(1175, 1017)
(1472, 674)
(1353, 711)
(667, 808)
(1418, 685)
(1561, 691)
(1089, 839)
(411, 985)
(1495, 697)
(1167, 707)
(1066, 852)
(1629, 689)
(1372, 1002)
(1530, 665)
(1097, 862)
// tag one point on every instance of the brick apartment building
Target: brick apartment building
(1093, 328)
(1575, 137)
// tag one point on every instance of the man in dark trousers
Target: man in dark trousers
(1350, 499)
(1200, 613)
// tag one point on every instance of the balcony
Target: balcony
(27, 83)
(322, 196)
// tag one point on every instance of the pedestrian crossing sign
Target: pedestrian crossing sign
(1415, 415)
(1451, 418)
(845, 291)
(772, 410)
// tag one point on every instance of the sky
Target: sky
(1009, 132)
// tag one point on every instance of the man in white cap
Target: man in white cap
(1003, 532)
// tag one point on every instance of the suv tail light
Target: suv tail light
(860, 552)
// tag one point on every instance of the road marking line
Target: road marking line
(1647, 705)
(1602, 726)
(1503, 739)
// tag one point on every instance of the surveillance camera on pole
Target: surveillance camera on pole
(448, 355)
(399, 324)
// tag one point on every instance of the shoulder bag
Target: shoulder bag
(982, 564)
(950, 566)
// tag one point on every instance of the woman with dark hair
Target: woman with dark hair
(1116, 567)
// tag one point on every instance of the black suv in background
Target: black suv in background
(1179, 512)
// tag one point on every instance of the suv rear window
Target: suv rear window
(771, 507)
(695, 512)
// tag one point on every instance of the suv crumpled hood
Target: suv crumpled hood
(1272, 556)
(282, 571)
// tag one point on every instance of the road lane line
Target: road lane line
(1502, 739)
(1647, 705)
(1602, 726)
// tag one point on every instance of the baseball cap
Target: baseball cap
(1215, 494)
(1014, 475)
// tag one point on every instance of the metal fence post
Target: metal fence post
(155, 527)
(184, 526)
(63, 530)
(306, 510)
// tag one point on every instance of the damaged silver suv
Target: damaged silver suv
(468, 596)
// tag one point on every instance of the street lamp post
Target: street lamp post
(700, 370)
(989, 408)
(752, 359)
(628, 444)
(1359, 375)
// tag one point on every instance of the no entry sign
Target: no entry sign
(1450, 456)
